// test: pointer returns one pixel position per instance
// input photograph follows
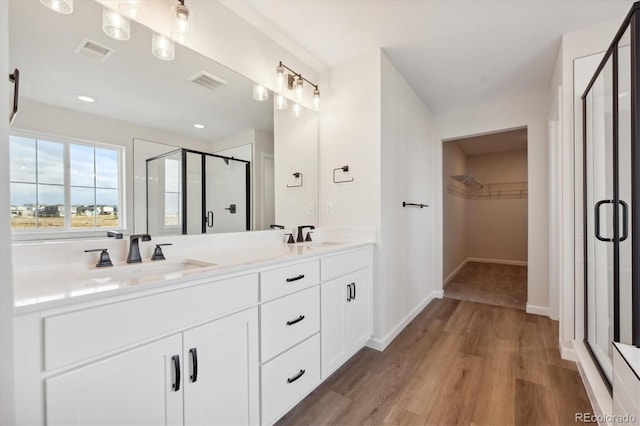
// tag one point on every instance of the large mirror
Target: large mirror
(108, 135)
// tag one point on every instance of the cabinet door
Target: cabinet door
(333, 295)
(224, 390)
(357, 312)
(135, 387)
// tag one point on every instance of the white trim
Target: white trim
(380, 344)
(599, 396)
(455, 271)
(568, 353)
(500, 261)
(538, 310)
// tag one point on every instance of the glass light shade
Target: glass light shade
(115, 25)
(316, 99)
(298, 88)
(279, 102)
(260, 93)
(131, 8)
(280, 78)
(163, 47)
(61, 6)
(181, 27)
(296, 110)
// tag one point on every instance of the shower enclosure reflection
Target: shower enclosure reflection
(191, 192)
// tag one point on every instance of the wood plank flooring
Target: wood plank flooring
(490, 283)
(457, 363)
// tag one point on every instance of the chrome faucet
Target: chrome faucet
(134, 247)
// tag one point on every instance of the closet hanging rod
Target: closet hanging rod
(405, 204)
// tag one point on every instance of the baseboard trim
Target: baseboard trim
(499, 261)
(455, 271)
(380, 344)
(568, 353)
(538, 310)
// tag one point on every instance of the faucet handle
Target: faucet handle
(308, 236)
(157, 252)
(290, 240)
(104, 257)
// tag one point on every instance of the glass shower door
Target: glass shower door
(226, 195)
(601, 250)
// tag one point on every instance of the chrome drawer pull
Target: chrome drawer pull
(296, 377)
(299, 277)
(295, 321)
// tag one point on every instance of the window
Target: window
(59, 185)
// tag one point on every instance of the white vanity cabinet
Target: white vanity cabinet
(346, 307)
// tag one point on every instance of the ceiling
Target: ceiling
(453, 53)
(131, 85)
(493, 143)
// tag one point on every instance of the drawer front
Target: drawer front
(282, 281)
(283, 381)
(341, 264)
(289, 320)
(75, 336)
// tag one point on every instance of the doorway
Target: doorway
(485, 197)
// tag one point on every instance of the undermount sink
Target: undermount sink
(147, 271)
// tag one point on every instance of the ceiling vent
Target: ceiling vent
(91, 49)
(206, 80)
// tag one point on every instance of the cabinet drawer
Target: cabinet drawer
(75, 336)
(288, 378)
(289, 320)
(282, 281)
(341, 264)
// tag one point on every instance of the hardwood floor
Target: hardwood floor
(458, 362)
(490, 283)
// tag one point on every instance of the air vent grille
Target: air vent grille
(93, 50)
(206, 80)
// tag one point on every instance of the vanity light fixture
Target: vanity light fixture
(295, 82)
(85, 98)
(163, 47)
(131, 8)
(199, 126)
(260, 93)
(181, 27)
(61, 6)
(279, 102)
(296, 110)
(115, 25)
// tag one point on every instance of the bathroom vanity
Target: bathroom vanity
(191, 341)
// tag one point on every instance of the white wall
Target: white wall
(528, 110)
(295, 148)
(6, 274)
(497, 228)
(406, 234)
(454, 244)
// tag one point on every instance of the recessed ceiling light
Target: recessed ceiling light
(199, 126)
(85, 98)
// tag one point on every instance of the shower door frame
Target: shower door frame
(632, 23)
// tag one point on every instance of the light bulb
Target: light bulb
(163, 47)
(131, 8)
(279, 102)
(298, 88)
(181, 27)
(115, 25)
(316, 99)
(260, 93)
(296, 110)
(61, 6)
(280, 78)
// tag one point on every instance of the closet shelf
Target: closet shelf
(468, 180)
(488, 191)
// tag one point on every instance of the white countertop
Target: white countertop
(36, 290)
